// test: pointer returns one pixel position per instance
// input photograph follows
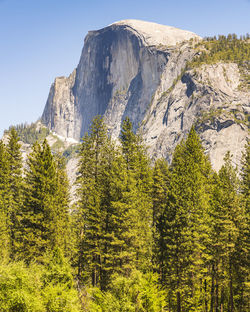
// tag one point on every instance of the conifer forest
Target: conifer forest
(140, 235)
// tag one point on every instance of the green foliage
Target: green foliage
(243, 256)
(30, 134)
(114, 216)
(228, 49)
(130, 294)
(212, 115)
(227, 216)
(160, 191)
(225, 49)
(44, 217)
(184, 225)
(38, 210)
(37, 288)
(92, 212)
(58, 299)
(137, 196)
(58, 145)
(183, 221)
(15, 188)
(61, 218)
(58, 291)
(245, 185)
(4, 189)
(20, 288)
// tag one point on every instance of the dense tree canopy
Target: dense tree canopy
(140, 236)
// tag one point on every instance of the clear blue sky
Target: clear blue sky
(42, 39)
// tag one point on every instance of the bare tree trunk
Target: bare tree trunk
(178, 301)
(216, 296)
(222, 300)
(231, 298)
(94, 277)
(205, 287)
(212, 291)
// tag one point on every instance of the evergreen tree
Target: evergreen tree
(60, 225)
(137, 196)
(160, 189)
(4, 217)
(217, 248)
(113, 216)
(185, 225)
(121, 252)
(228, 242)
(243, 246)
(44, 213)
(102, 218)
(15, 186)
(91, 217)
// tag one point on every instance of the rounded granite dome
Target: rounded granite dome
(156, 34)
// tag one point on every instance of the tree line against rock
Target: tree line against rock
(141, 236)
(223, 48)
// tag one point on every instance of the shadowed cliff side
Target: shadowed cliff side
(119, 71)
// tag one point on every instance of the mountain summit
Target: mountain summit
(149, 73)
(154, 34)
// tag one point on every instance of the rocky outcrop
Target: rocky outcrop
(59, 112)
(210, 99)
(120, 68)
(138, 69)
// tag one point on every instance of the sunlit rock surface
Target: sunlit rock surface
(137, 69)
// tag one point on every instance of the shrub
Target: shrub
(20, 288)
(138, 292)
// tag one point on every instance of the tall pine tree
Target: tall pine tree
(243, 244)
(44, 214)
(91, 217)
(160, 189)
(137, 196)
(4, 216)
(185, 225)
(60, 220)
(228, 244)
(114, 216)
(15, 185)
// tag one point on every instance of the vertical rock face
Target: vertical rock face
(138, 69)
(120, 68)
(59, 112)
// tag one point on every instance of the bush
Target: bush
(38, 288)
(138, 292)
(58, 298)
(20, 288)
(59, 293)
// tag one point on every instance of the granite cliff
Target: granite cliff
(139, 69)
